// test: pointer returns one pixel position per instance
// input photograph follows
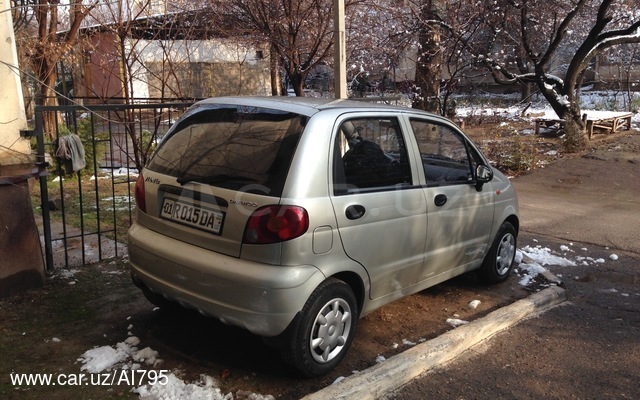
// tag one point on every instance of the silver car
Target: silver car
(294, 217)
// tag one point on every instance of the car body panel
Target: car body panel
(402, 243)
(258, 297)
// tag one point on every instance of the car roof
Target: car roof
(304, 105)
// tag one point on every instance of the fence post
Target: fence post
(44, 192)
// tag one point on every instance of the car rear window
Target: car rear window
(243, 148)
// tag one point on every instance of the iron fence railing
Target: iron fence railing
(87, 212)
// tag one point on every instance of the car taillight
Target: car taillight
(140, 194)
(273, 224)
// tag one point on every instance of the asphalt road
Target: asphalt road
(589, 347)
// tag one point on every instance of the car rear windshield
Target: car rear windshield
(243, 148)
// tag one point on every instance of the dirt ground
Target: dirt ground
(588, 348)
(45, 331)
(99, 306)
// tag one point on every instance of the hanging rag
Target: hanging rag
(71, 150)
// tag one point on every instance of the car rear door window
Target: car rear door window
(370, 154)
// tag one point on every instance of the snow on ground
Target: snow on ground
(127, 356)
(597, 105)
(531, 261)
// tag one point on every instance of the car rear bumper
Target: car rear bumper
(262, 298)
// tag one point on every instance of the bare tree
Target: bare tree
(48, 46)
(541, 35)
(300, 32)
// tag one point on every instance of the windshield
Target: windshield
(237, 147)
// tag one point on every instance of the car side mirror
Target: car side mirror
(484, 174)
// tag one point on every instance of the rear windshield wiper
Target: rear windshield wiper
(214, 179)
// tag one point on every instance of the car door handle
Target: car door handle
(440, 200)
(354, 211)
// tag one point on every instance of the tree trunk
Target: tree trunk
(563, 101)
(575, 133)
(46, 75)
(276, 81)
(297, 81)
(429, 61)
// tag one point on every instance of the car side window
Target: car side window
(444, 152)
(370, 155)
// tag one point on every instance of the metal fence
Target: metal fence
(86, 212)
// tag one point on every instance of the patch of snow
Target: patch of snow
(148, 356)
(474, 304)
(68, 273)
(124, 354)
(176, 389)
(529, 272)
(408, 342)
(455, 322)
(380, 358)
(543, 256)
(101, 358)
(613, 257)
(338, 380)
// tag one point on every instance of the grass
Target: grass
(510, 147)
(105, 204)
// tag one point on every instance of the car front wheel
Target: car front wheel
(498, 263)
(324, 332)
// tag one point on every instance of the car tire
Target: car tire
(498, 262)
(323, 333)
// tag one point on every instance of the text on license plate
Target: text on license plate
(191, 215)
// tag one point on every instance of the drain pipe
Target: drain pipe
(21, 263)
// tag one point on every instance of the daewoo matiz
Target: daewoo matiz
(294, 217)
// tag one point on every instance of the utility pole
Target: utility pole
(21, 263)
(340, 54)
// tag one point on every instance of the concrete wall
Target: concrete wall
(199, 68)
(21, 264)
(13, 149)
(173, 69)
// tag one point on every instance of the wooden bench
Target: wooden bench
(607, 120)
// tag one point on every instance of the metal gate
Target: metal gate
(87, 211)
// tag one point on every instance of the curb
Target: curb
(400, 369)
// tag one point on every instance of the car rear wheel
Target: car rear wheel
(323, 334)
(498, 263)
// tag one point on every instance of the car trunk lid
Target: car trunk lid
(214, 168)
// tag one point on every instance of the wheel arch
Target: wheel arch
(355, 282)
(515, 221)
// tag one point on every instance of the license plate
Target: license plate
(191, 215)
